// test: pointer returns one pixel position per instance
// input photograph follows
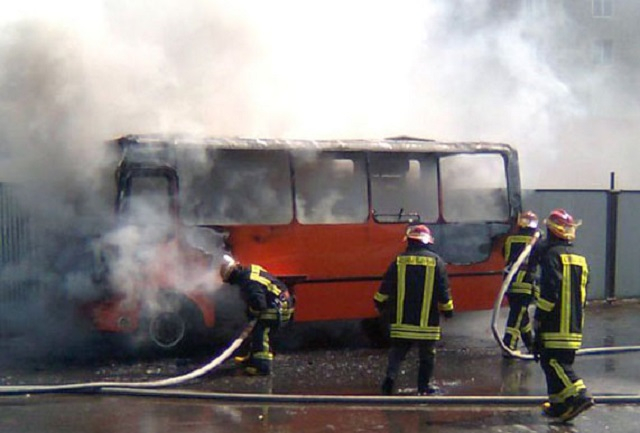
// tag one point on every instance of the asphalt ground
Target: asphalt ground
(469, 365)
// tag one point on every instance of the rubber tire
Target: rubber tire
(176, 327)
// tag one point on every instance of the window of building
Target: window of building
(603, 51)
(602, 8)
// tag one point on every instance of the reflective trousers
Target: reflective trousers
(426, 354)
(562, 381)
(518, 323)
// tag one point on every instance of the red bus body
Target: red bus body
(338, 276)
(334, 267)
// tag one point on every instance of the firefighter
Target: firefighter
(413, 293)
(521, 289)
(267, 300)
(559, 316)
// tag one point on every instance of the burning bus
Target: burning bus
(325, 216)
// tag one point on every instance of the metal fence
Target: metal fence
(16, 244)
(17, 289)
(608, 237)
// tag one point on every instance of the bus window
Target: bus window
(403, 187)
(331, 188)
(474, 188)
(148, 202)
(237, 187)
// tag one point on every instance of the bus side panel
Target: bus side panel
(319, 252)
(330, 301)
(339, 267)
(471, 293)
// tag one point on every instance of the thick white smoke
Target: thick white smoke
(76, 73)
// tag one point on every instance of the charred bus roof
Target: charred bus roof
(160, 143)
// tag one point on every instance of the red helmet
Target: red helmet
(420, 233)
(561, 224)
(528, 219)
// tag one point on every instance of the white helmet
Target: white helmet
(228, 265)
(419, 233)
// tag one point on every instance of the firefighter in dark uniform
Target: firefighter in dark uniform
(521, 289)
(268, 301)
(559, 316)
(413, 293)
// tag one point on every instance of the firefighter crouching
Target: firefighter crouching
(520, 293)
(559, 316)
(413, 293)
(268, 301)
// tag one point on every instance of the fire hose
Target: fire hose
(98, 386)
(151, 388)
(498, 303)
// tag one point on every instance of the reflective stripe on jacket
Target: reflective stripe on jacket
(266, 297)
(522, 282)
(414, 290)
(564, 280)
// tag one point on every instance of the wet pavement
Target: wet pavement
(468, 364)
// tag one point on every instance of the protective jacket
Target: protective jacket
(414, 290)
(266, 297)
(564, 280)
(522, 283)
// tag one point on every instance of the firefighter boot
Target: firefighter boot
(258, 367)
(425, 373)
(242, 360)
(252, 370)
(527, 339)
(387, 386)
(575, 406)
(553, 410)
(430, 390)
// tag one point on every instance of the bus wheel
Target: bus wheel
(175, 326)
(167, 329)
